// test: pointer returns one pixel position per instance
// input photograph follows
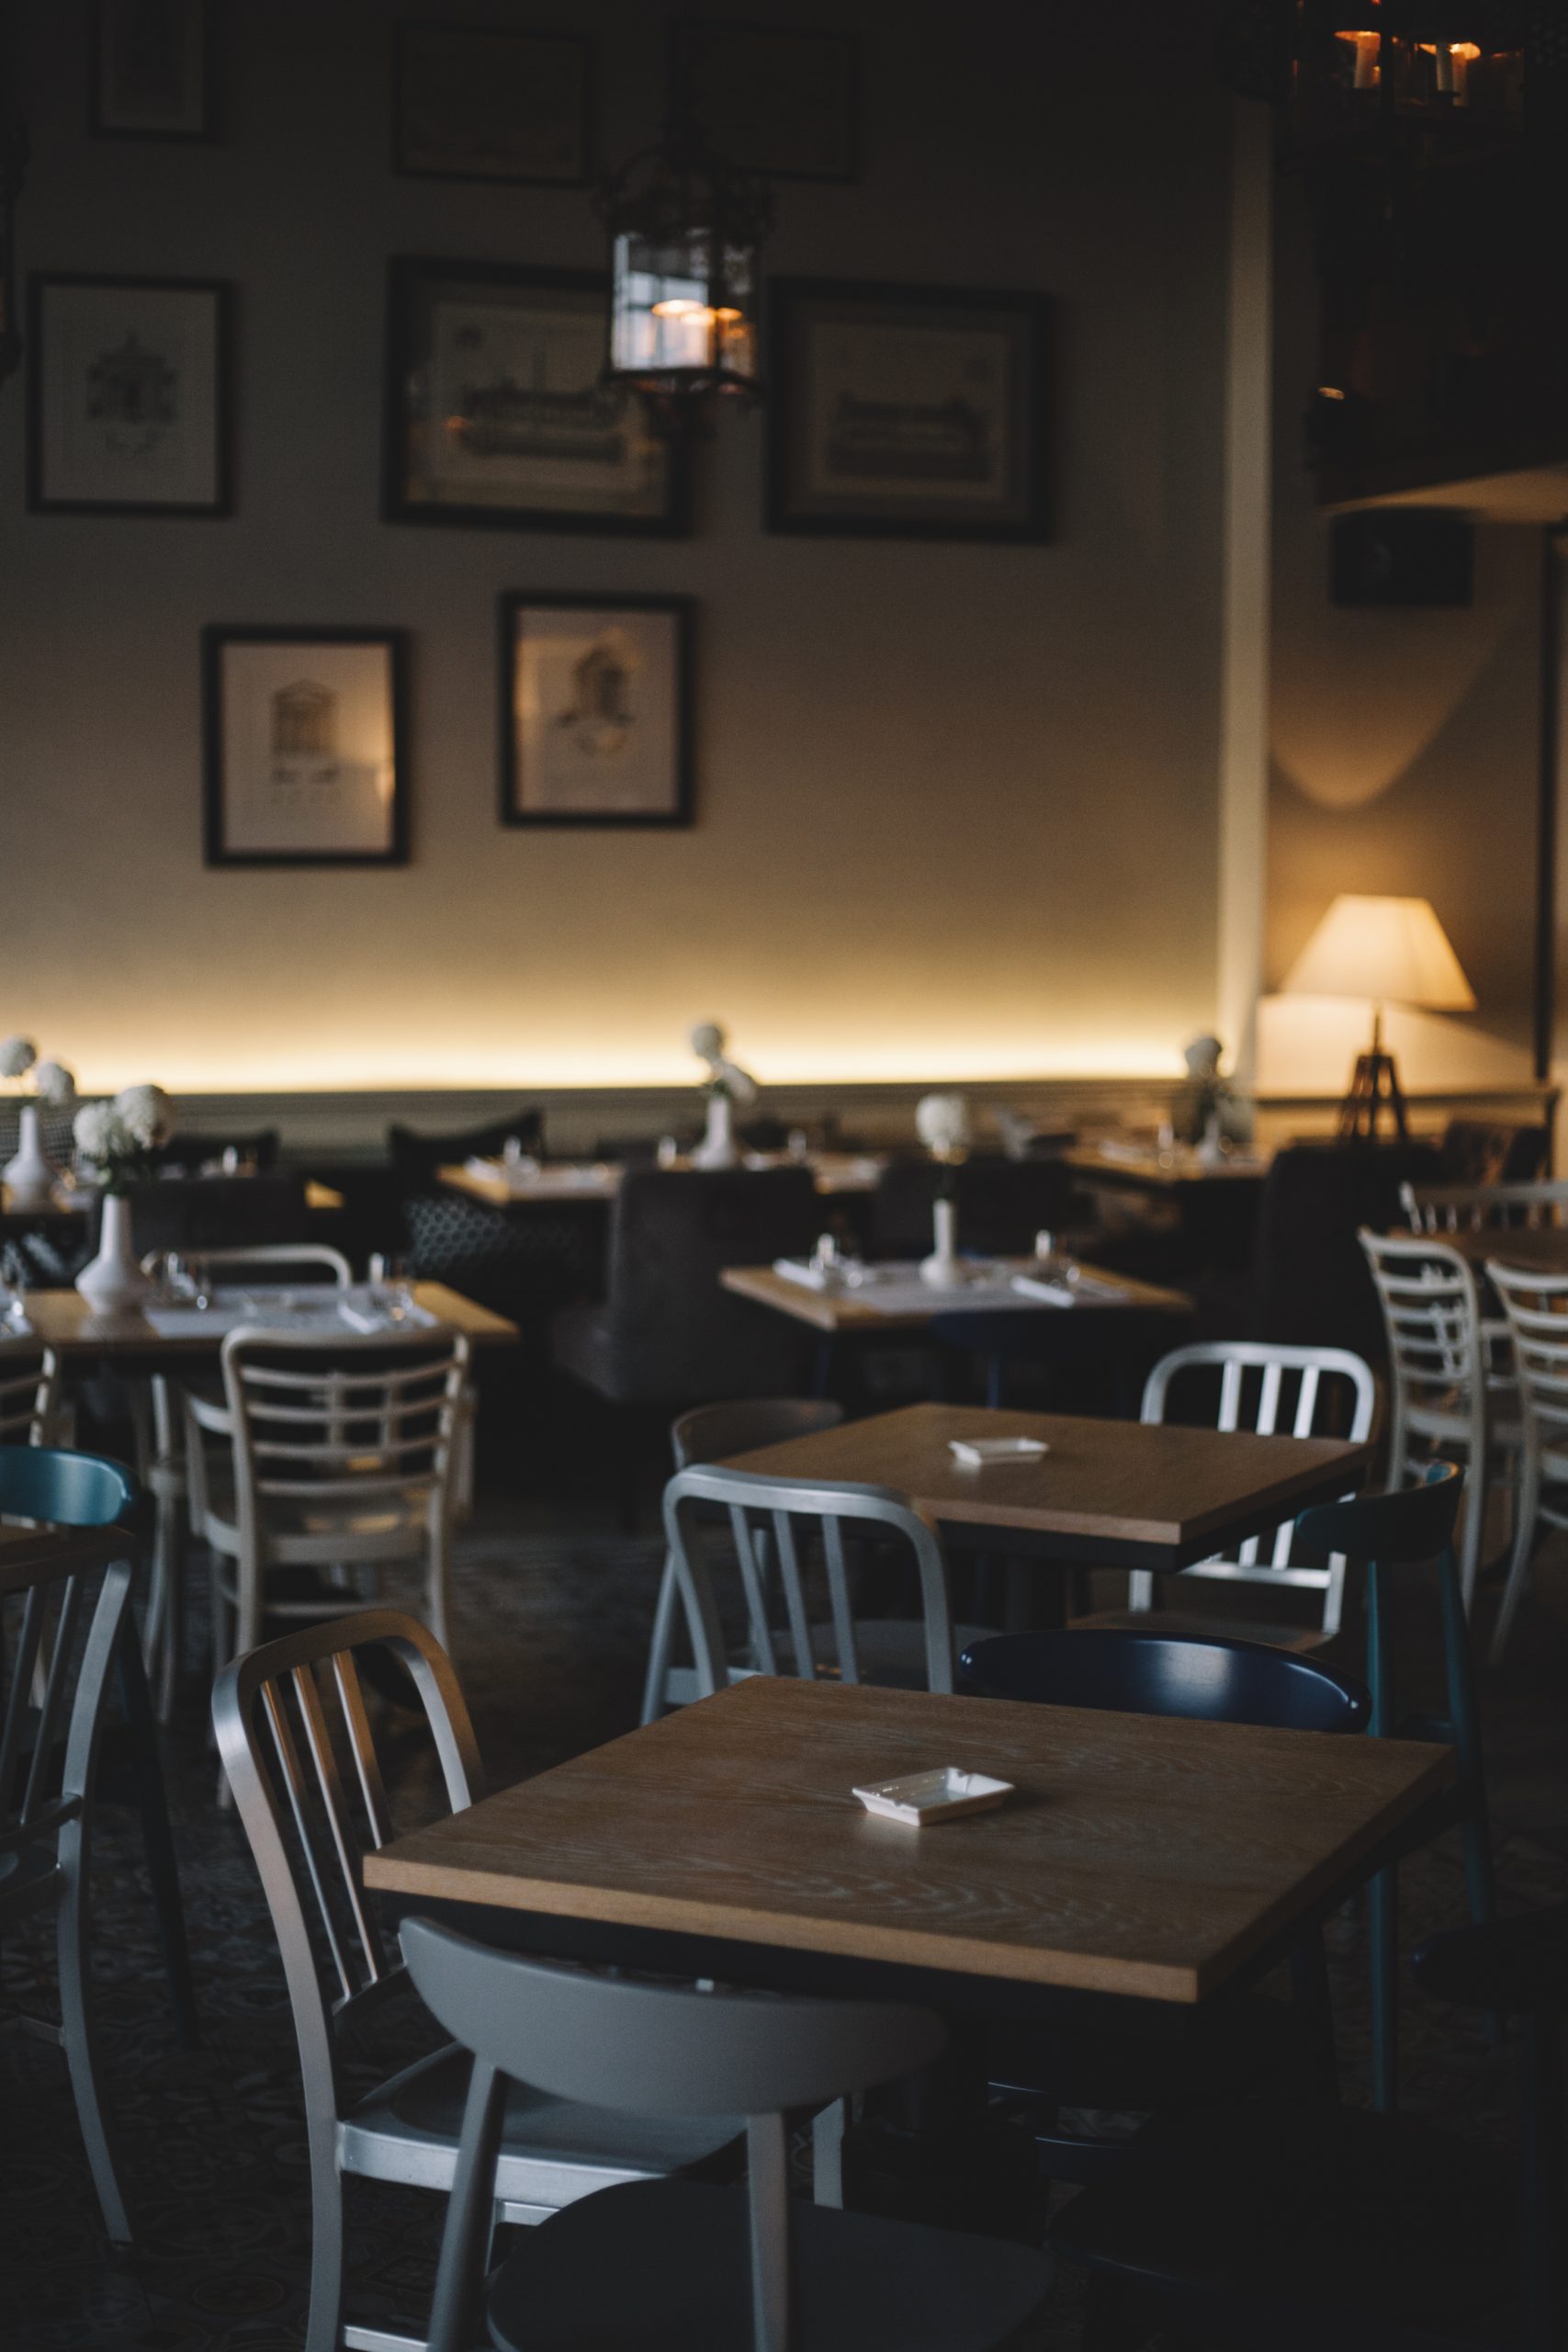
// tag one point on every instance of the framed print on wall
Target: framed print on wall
(128, 396)
(772, 98)
(908, 411)
(595, 714)
(480, 102)
(495, 413)
(153, 69)
(304, 736)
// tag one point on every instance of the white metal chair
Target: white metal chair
(1480, 1208)
(917, 1650)
(53, 1685)
(1271, 1389)
(30, 1402)
(294, 1731)
(163, 1444)
(1449, 1396)
(341, 1451)
(1536, 1308)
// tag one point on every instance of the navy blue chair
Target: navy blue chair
(1304, 2228)
(1410, 1530)
(1241, 2041)
(61, 1488)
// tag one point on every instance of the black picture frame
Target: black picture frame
(45, 492)
(217, 639)
(407, 31)
(682, 611)
(1023, 511)
(840, 54)
(204, 17)
(415, 283)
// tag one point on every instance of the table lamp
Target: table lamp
(1391, 951)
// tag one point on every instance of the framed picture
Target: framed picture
(771, 98)
(128, 396)
(908, 411)
(477, 102)
(153, 68)
(495, 413)
(595, 714)
(304, 736)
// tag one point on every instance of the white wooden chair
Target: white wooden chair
(30, 1402)
(164, 1441)
(341, 1453)
(1450, 1394)
(1273, 1390)
(1480, 1208)
(1536, 1308)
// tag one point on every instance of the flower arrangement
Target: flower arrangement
(725, 1078)
(116, 1139)
(942, 1122)
(51, 1082)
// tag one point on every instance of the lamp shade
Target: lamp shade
(1388, 951)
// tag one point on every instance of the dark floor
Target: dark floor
(551, 1625)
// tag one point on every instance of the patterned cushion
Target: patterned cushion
(520, 1266)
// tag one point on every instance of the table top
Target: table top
(909, 1304)
(23, 1548)
(1139, 1857)
(1143, 1164)
(1148, 1495)
(1543, 1248)
(600, 1180)
(62, 1320)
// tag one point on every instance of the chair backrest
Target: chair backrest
(65, 1489)
(741, 1424)
(198, 1212)
(1481, 1208)
(1408, 1524)
(1536, 1308)
(1206, 1678)
(326, 1417)
(53, 1683)
(648, 2049)
(781, 1506)
(1002, 1203)
(29, 1401)
(275, 1260)
(675, 1333)
(284, 1716)
(415, 1157)
(1266, 1387)
(1432, 1320)
(1477, 1152)
(191, 1153)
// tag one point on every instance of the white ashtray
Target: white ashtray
(942, 1795)
(975, 1451)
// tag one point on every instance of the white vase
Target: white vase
(717, 1148)
(114, 1280)
(29, 1178)
(944, 1269)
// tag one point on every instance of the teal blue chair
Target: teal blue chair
(61, 1488)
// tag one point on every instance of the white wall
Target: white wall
(957, 805)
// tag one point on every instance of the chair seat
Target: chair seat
(1313, 2226)
(382, 1528)
(1448, 1419)
(665, 2267)
(1273, 1635)
(553, 2150)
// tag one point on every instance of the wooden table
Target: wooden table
(1147, 1168)
(1540, 1248)
(838, 1311)
(1112, 1494)
(23, 1550)
(62, 1320)
(563, 1181)
(1141, 1859)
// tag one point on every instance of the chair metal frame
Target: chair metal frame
(280, 1748)
(653, 2049)
(1537, 1309)
(387, 1433)
(1448, 1389)
(835, 1506)
(45, 1838)
(708, 1433)
(1312, 1366)
(29, 1403)
(1480, 1209)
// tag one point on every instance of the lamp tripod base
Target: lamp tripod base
(1373, 1088)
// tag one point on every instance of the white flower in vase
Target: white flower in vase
(17, 1056)
(30, 1177)
(726, 1084)
(942, 1122)
(116, 1141)
(54, 1084)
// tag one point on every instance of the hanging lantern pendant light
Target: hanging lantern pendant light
(685, 238)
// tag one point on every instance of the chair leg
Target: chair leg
(661, 1646)
(828, 2127)
(1383, 1899)
(324, 2329)
(76, 2030)
(1467, 1743)
(1475, 1492)
(162, 1876)
(1529, 1515)
(441, 1588)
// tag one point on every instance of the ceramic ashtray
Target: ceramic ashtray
(975, 1451)
(943, 1795)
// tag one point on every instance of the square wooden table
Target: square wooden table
(1537, 1249)
(63, 1321)
(1109, 1494)
(1143, 1859)
(910, 1306)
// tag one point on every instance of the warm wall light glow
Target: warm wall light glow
(1382, 951)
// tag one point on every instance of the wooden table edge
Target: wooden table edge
(835, 1311)
(23, 1550)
